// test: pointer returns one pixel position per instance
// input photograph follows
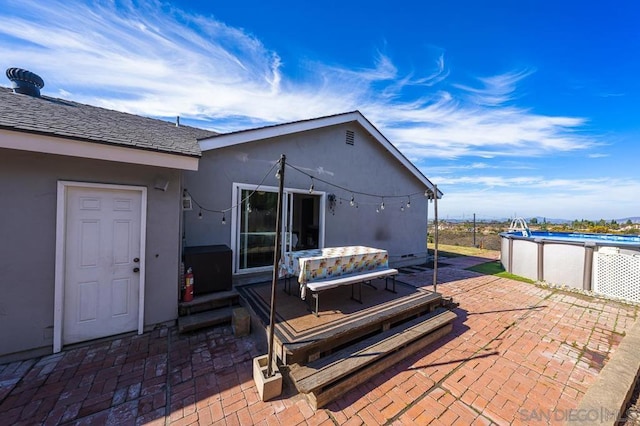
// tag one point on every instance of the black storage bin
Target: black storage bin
(211, 266)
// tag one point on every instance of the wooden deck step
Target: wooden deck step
(330, 377)
(204, 319)
(209, 301)
(323, 343)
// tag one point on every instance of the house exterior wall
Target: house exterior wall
(365, 167)
(28, 191)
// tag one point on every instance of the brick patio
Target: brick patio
(518, 354)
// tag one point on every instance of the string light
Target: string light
(352, 202)
(238, 205)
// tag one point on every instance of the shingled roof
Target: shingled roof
(71, 120)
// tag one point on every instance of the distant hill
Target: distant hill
(635, 219)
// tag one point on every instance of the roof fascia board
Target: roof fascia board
(244, 136)
(73, 148)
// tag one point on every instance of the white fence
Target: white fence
(617, 274)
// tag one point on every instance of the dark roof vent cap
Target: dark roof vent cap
(25, 82)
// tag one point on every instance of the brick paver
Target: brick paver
(518, 354)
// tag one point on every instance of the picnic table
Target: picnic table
(320, 264)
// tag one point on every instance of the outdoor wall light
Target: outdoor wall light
(186, 201)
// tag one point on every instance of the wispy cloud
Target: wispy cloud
(457, 167)
(496, 90)
(537, 196)
(153, 59)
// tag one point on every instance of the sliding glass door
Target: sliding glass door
(257, 228)
(254, 225)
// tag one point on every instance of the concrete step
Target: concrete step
(205, 319)
(208, 302)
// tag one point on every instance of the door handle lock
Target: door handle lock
(137, 259)
(136, 269)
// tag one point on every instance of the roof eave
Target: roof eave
(51, 144)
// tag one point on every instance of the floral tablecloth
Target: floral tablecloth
(309, 265)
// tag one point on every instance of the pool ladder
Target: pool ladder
(519, 225)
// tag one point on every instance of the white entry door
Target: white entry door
(102, 262)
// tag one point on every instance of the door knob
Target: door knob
(136, 269)
(137, 259)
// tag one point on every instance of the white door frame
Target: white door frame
(236, 201)
(61, 216)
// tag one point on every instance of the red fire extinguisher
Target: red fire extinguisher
(188, 286)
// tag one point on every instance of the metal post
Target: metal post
(587, 274)
(426, 261)
(474, 230)
(435, 246)
(276, 264)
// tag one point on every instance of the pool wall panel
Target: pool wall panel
(564, 264)
(525, 259)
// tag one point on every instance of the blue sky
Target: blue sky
(526, 108)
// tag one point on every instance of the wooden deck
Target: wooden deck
(301, 337)
(349, 342)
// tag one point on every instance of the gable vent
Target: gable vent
(25, 82)
(350, 137)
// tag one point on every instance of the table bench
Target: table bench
(316, 286)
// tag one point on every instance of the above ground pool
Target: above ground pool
(580, 237)
(606, 264)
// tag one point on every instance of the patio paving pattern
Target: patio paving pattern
(518, 354)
